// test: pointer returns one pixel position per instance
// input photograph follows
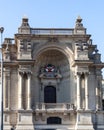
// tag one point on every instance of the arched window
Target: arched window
(53, 120)
(50, 94)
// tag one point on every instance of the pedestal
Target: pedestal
(25, 120)
(84, 120)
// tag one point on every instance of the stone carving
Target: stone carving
(82, 46)
(49, 71)
(25, 45)
(49, 75)
(25, 69)
(79, 22)
(52, 39)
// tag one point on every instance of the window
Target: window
(53, 120)
(103, 104)
(50, 94)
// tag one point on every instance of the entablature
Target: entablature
(76, 37)
(98, 65)
(18, 62)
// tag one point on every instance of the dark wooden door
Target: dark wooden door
(50, 94)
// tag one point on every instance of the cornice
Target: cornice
(87, 63)
(18, 62)
(82, 62)
(98, 65)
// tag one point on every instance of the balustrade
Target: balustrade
(54, 107)
(52, 31)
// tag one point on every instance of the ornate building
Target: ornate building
(52, 79)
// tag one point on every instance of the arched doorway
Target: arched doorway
(50, 94)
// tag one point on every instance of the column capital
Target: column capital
(79, 73)
(29, 73)
(86, 73)
(21, 73)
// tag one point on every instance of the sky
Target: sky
(54, 14)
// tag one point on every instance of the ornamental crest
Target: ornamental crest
(49, 68)
(49, 71)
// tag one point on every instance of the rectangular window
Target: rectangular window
(103, 104)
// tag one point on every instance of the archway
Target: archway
(62, 65)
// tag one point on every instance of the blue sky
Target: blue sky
(55, 13)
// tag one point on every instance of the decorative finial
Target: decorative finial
(78, 22)
(79, 19)
(25, 16)
(25, 21)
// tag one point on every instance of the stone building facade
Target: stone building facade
(52, 79)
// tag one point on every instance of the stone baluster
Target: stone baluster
(43, 106)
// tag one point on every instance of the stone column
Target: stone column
(8, 82)
(78, 91)
(86, 92)
(98, 93)
(97, 99)
(6, 89)
(29, 91)
(20, 105)
(4, 94)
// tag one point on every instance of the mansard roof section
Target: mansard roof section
(77, 30)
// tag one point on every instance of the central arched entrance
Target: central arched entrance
(52, 87)
(50, 94)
